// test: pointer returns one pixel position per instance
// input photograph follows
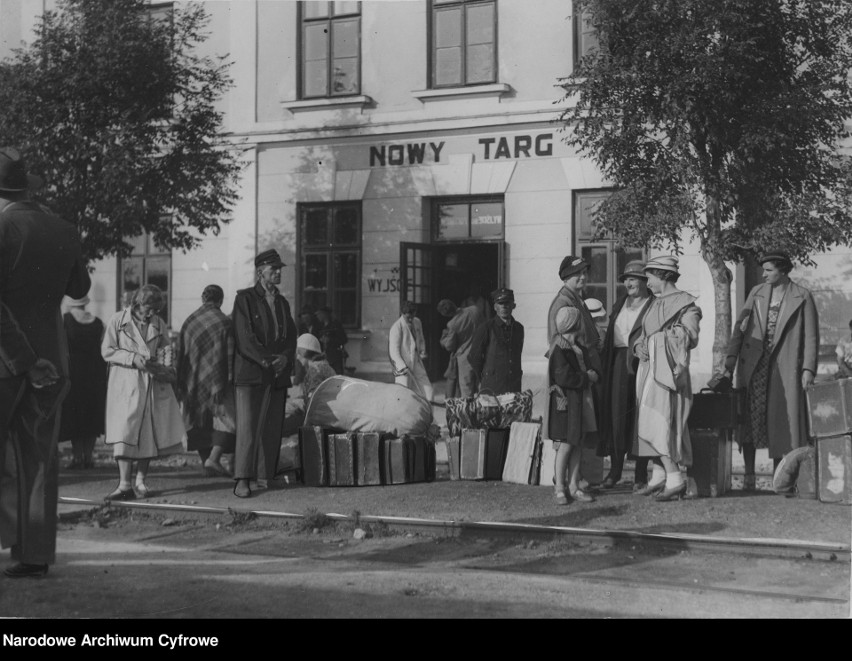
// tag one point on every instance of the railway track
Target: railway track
(782, 548)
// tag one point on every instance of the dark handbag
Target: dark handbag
(716, 410)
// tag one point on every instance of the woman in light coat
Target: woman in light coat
(775, 345)
(663, 385)
(407, 349)
(143, 417)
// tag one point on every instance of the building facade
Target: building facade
(409, 149)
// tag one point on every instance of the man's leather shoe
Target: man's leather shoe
(23, 570)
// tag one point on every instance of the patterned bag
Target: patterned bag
(515, 407)
(489, 413)
(461, 414)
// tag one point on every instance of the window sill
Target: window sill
(360, 101)
(476, 91)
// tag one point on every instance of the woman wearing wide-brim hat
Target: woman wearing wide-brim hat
(618, 386)
(663, 385)
(775, 346)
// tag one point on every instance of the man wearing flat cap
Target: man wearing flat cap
(265, 347)
(40, 261)
(496, 347)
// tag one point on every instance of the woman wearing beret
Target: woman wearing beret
(618, 387)
(775, 345)
(663, 386)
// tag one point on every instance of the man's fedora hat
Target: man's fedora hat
(268, 258)
(663, 263)
(13, 172)
(572, 265)
(634, 269)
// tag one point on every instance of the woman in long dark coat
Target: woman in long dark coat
(84, 409)
(617, 421)
(775, 346)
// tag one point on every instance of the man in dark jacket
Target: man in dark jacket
(265, 347)
(495, 351)
(40, 261)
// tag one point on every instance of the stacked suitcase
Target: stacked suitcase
(830, 420)
(712, 420)
(332, 458)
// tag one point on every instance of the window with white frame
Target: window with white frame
(148, 264)
(463, 42)
(585, 34)
(330, 59)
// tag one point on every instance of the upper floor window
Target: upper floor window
(585, 34)
(148, 264)
(464, 42)
(330, 49)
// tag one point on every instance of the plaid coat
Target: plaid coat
(204, 366)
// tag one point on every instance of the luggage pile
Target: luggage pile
(334, 458)
(830, 420)
(364, 433)
(482, 431)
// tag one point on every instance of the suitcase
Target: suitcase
(830, 408)
(716, 410)
(806, 481)
(424, 459)
(710, 473)
(523, 454)
(496, 446)
(548, 461)
(368, 458)
(834, 469)
(398, 458)
(313, 456)
(341, 459)
(473, 448)
(454, 456)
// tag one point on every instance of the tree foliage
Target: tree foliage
(116, 109)
(722, 118)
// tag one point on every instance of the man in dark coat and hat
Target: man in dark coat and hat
(495, 351)
(41, 261)
(265, 348)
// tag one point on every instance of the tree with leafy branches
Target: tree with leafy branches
(720, 121)
(114, 106)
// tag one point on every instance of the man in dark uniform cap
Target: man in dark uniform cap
(495, 351)
(265, 345)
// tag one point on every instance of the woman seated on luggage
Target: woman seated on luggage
(572, 411)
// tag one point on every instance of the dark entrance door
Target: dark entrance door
(465, 273)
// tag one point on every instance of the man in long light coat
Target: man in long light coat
(407, 349)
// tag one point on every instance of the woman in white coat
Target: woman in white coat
(407, 349)
(143, 418)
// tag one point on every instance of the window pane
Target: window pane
(346, 8)
(345, 270)
(448, 28)
(448, 66)
(315, 227)
(486, 220)
(316, 79)
(345, 38)
(315, 69)
(316, 42)
(157, 272)
(596, 284)
(131, 273)
(480, 24)
(480, 64)
(314, 9)
(345, 76)
(345, 308)
(453, 221)
(316, 272)
(346, 226)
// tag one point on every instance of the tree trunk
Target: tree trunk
(721, 284)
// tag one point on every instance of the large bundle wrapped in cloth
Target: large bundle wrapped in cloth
(368, 406)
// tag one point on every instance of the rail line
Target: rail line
(784, 548)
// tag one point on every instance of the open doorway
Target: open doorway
(465, 273)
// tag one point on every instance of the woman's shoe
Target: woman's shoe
(675, 493)
(651, 489)
(560, 498)
(749, 482)
(242, 490)
(142, 490)
(581, 496)
(122, 494)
